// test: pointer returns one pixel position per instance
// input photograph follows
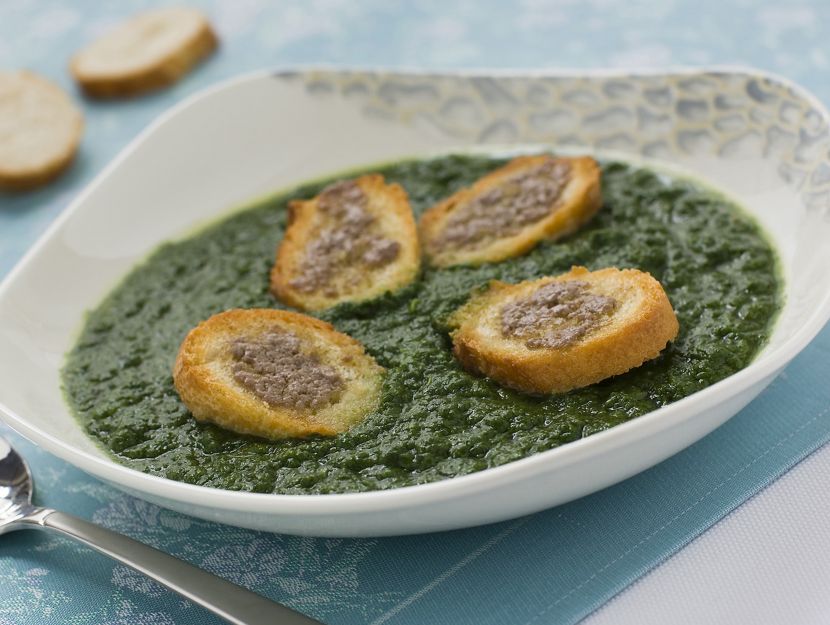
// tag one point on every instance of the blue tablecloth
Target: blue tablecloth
(553, 567)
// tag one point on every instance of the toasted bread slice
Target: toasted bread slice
(356, 240)
(148, 51)
(40, 129)
(510, 210)
(560, 333)
(275, 374)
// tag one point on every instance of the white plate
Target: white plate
(758, 137)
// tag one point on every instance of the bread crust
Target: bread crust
(577, 203)
(389, 204)
(203, 377)
(31, 107)
(160, 71)
(636, 332)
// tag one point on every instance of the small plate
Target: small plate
(758, 137)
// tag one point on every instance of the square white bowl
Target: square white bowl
(757, 137)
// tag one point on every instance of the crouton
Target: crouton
(40, 129)
(148, 51)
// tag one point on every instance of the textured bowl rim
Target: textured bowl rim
(669, 416)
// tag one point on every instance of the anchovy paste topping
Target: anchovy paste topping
(350, 238)
(556, 315)
(273, 367)
(507, 208)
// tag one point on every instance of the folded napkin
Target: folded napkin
(552, 567)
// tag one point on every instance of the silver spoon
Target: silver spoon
(231, 602)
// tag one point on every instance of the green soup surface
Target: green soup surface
(434, 420)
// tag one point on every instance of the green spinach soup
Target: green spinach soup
(434, 420)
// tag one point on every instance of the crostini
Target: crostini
(275, 374)
(354, 241)
(510, 210)
(560, 333)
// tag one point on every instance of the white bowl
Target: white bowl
(758, 137)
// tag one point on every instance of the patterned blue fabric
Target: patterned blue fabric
(553, 567)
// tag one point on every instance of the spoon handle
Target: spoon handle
(233, 603)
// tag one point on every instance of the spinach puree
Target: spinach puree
(435, 420)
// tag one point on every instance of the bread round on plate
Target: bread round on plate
(560, 333)
(40, 129)
(148, 51)
(275, 374)
(510, 210)
(354, 241)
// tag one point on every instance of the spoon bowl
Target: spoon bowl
(16, 486)
(229, 601)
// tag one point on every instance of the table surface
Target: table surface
(765, 562)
